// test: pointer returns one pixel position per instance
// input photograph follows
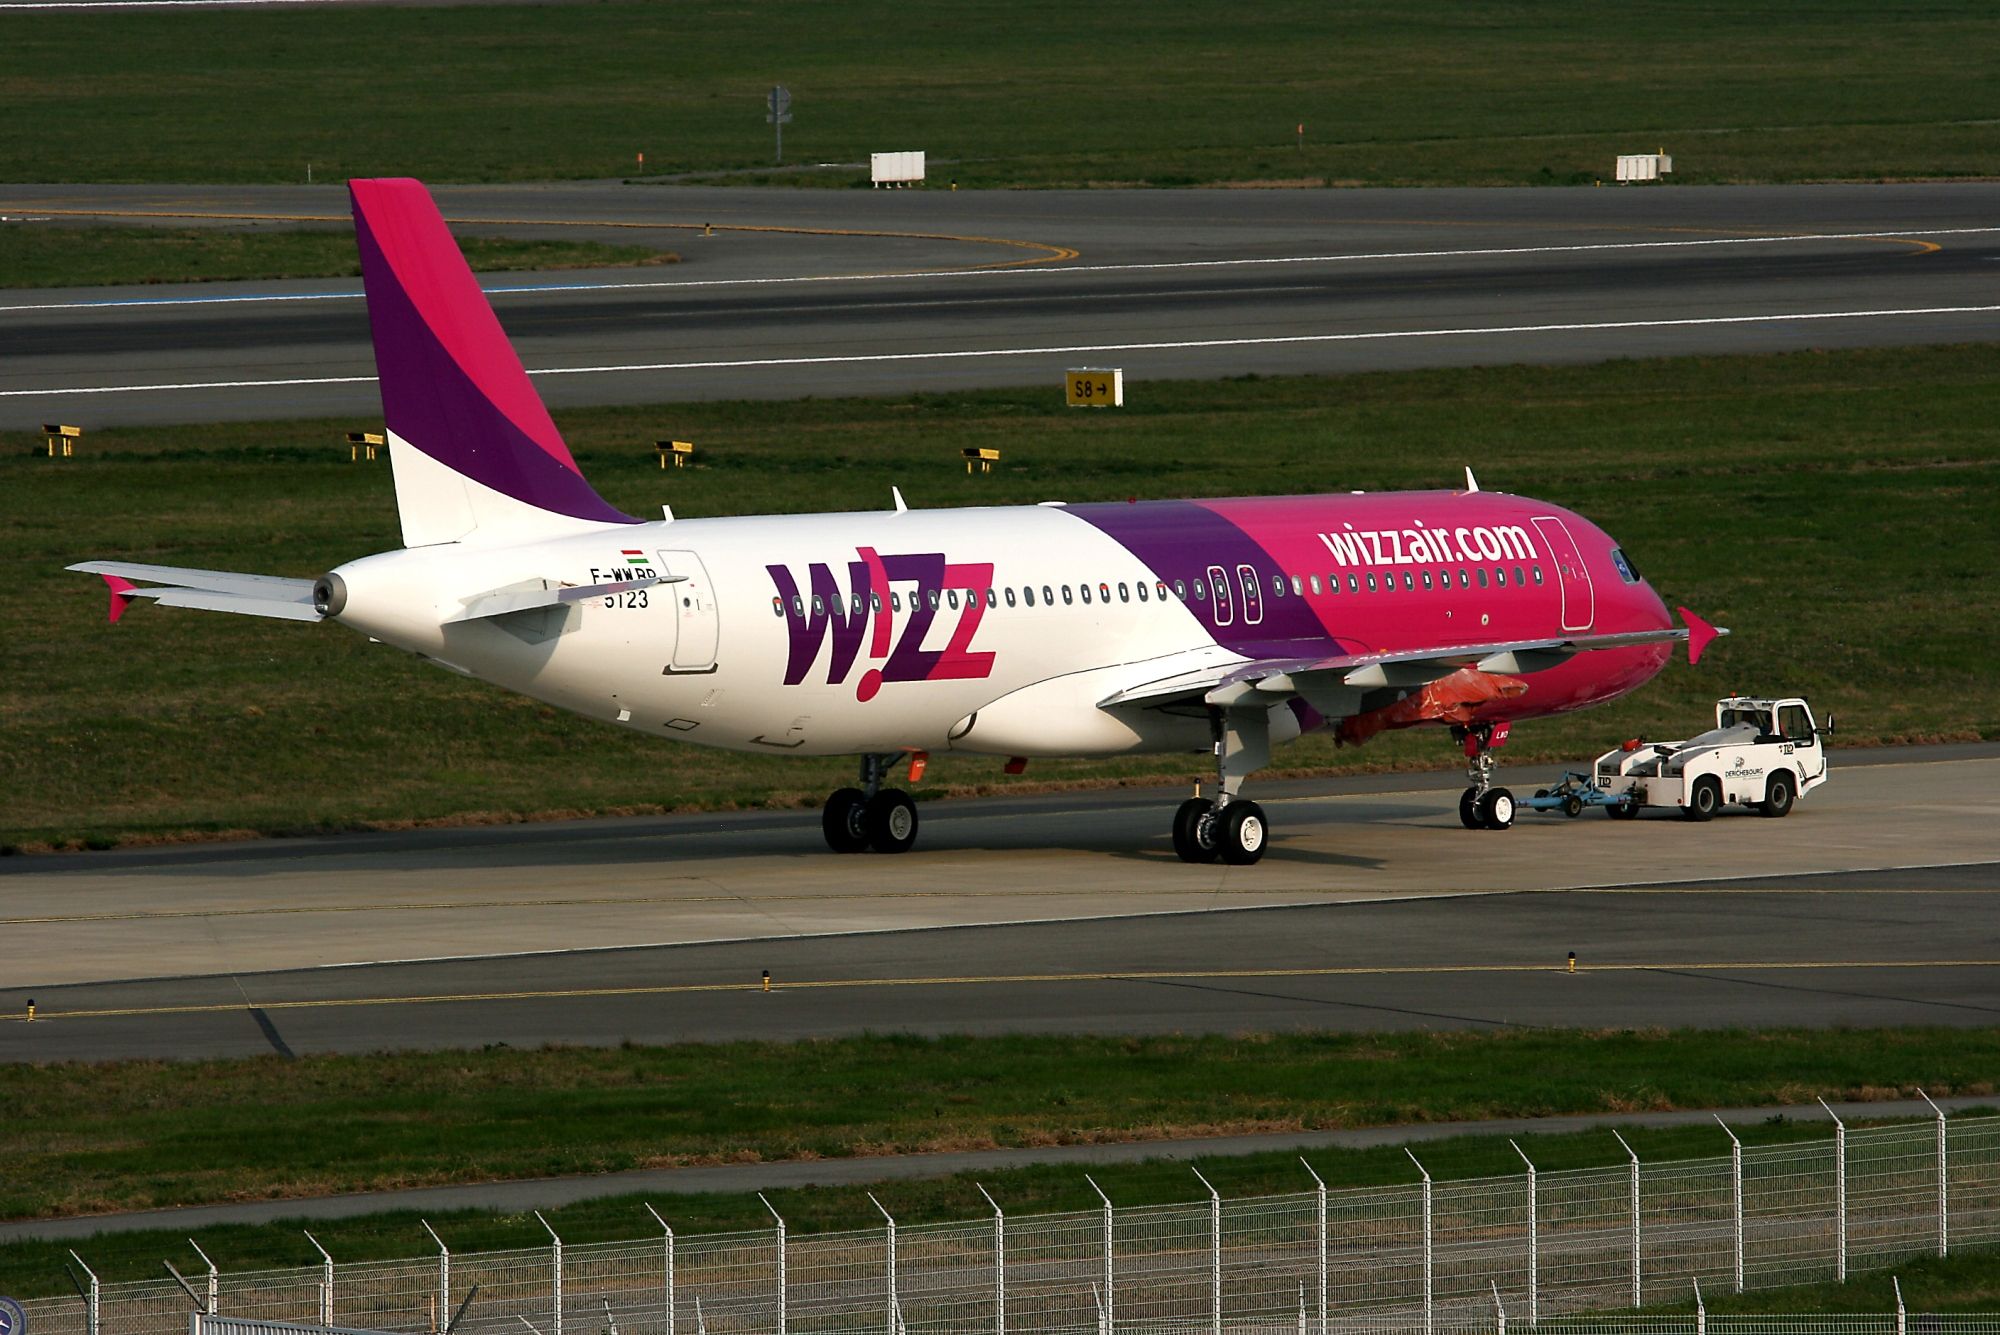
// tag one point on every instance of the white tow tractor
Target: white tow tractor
(1761, 753)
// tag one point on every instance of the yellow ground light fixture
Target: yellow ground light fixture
(982, 459)
(680, 451)
(357, 441)
(62, 439)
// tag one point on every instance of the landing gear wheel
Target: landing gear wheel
(1778, 798)
(1243, 833)
(1468, 808)
(1627, 810)
(1705, 798)
(1495, 808)
(892, 821)
(1195, 832)
(845, 820)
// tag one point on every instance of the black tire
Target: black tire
(1705, 798)
(1572, 805)
(1625, 810)
(1779, 797)
(1243, 833)
(845, 821)
(892, 821)
(1496, 809)
(1195, 831)
(1541, 792)
(1468, 809)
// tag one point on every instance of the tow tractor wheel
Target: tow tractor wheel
(1496, 809)
(1626, 810)
(845, 820)
(892, 821)
(1195, 831)
(1468, 809)
(1705, 798)
(1778, 798)
(1242, 833)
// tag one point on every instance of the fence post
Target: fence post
(1319, 1192)
(91, 1299)
(325, 1280)
(999, 1263)
(781, 1261)
(1635, 1219)
(1499, 1310)
(667, 1266)
(1735, 1198)
(1944, 1182)
(1214, 1253)
(1428, 1327)
(1900, 1319)
(1534, 1242)
(890, 1307)
(555, 1252)
(1839, 1194)
(1108, 1311)
(1700, 1310)
(444, 1271)
(214, 1279)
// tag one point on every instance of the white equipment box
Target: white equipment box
(1644, 166)
(893, 169)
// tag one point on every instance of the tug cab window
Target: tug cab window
(1794, 725)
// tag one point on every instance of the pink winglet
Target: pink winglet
(1699, 635)
(121, 595)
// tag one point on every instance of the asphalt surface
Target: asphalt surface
(1877, 902)
(861, 292)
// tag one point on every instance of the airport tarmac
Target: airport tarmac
(834, 292)
(1877, 901)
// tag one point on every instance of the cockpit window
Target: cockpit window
(1626, 570)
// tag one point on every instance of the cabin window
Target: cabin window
(1124, 593)
(798, 606)
(1200, 590)
(895, 601)
(1278, 585)
(1520, 577)
(1500, 576)
(1181, 590)
(1142, 590)
(1353, 584)
(1068, 597)
(874, 602)
(1104, 592)
(1409, 584)
(1482, 577)
(1538, 576)
(819, 606)
(1315, 585)
(951, 597)
(1371, 583)
(1464, 580)
(1028, 592)
(1084, 589)
(1427, 581)
(1298, 585)
(1010, 595)
(778, 605)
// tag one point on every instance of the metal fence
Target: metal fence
(1438, 1258)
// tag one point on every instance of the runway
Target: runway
(789, 293)
(1877, 902)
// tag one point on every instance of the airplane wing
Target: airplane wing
(207, 590)
(1230, 683)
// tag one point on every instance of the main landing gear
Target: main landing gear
(1482, 806)
(1231, 828)
(871, 816)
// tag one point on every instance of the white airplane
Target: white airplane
(1050, 630)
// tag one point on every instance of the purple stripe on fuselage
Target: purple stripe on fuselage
(1179, 540)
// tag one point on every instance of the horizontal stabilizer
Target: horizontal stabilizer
(207, 590)
(544, 593)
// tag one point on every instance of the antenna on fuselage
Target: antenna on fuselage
(1471, 482)
(902, 506)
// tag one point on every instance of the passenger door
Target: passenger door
(1579, 599)
(695, 613)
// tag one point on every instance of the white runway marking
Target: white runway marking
(1073, 349)
(529, 289)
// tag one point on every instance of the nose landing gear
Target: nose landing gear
(871, 816)
(1483, 805)
(1231, 828)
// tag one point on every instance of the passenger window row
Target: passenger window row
(1198, 588)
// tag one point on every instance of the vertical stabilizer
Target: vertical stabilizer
(473, 448)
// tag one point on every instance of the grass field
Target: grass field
(1034, 93)
(47, 256)
(1835, 509)
(135, 1135)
